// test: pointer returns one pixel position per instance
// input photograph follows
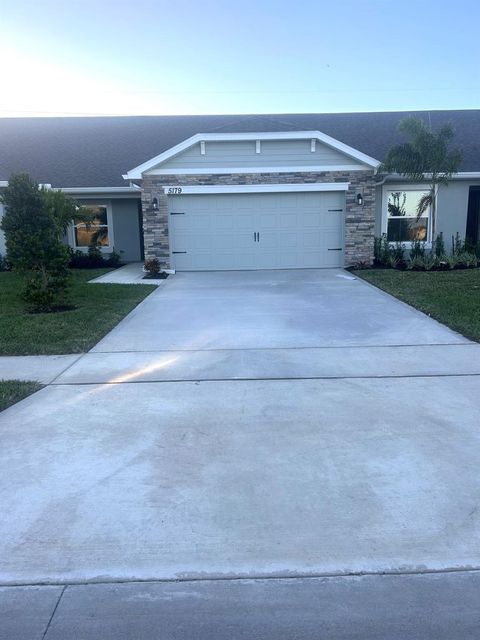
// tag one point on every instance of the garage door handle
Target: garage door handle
(337, 249)
(179, 252)
(256, 236)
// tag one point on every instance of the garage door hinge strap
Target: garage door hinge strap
(338, 249)
(175, 213)
(179, 252)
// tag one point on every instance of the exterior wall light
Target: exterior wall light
(359, 199)
(155, 204)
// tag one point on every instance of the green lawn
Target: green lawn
(99, 307)
(452, 297)
(12, 391)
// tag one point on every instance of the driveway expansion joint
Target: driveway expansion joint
(80, 355)
(296, 348)
(240, 577)
(53, 612)
(269, 379)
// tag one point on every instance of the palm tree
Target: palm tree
(424, 157)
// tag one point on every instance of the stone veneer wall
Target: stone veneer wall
(359, 220)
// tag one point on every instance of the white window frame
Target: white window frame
(111, 243)
(386, 189)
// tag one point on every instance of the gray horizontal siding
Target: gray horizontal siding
(242, 154)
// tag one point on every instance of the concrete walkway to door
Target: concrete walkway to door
(248, 424)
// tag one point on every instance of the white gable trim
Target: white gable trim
(136, 173)
(177, 190)
(262, 169)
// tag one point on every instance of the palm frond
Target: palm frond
(424, 203)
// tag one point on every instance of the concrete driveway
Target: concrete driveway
(249, 424)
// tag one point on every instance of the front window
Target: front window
(94, 232)
(403, 223)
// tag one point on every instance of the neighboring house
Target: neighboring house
(242, 192)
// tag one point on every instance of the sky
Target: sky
(146, 57)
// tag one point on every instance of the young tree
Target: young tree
(33, 228)
(425, 157)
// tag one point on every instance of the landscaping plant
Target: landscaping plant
(419, 258)
(152, 268)
(4, 266)
(425, 157)
(93, 259)
(33, 223)
(440, 246)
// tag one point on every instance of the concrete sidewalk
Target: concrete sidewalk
(131, 273)
(43, 369)
(274, 364)
(417, 607)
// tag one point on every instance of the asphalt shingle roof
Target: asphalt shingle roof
(95, 152)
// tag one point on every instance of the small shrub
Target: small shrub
(452, 261)
(113, 259)
(397, 256)
(94, 259)
(423, 263)
(417, 250)
(377, 250)
(439, 246)
(152, 267)
(79, 260)
(397, 252)
(472, 247)
(361, 264)
(417, 263)
(466, 260)
(458, 245)
(430, 263)
(95, 255)
(382, 251)
(4, 264)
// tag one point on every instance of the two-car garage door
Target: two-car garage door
(256, 230)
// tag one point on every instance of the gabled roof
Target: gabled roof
(96, 152)
(136, 173)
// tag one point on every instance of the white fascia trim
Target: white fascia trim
(218, 170)
(95, 190)
(257, 188)
(92, 190)
(466, 175)
(461, 175)
(136, 173)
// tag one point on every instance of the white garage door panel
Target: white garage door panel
(295, 230)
